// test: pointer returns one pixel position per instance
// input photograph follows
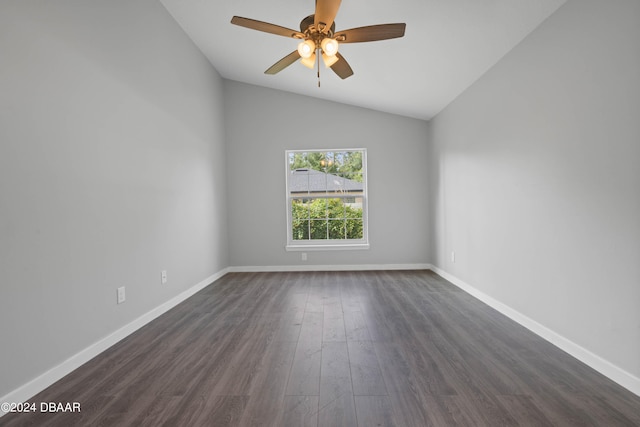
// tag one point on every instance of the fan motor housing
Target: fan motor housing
(307, 26)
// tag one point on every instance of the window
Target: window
(326, 199)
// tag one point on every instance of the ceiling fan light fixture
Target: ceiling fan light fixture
(306, 48)
(318, 38)
(329, 46)
(309, 62)
(329, 60)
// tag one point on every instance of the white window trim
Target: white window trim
(328, 245)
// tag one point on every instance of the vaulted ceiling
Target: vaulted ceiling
(448, 45)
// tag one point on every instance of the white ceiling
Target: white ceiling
(448, 44)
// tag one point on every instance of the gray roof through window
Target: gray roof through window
(313, 181)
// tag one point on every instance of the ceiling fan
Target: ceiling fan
(320, 40)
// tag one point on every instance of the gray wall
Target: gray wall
(111, 170)
(536, 179)
(262, 123)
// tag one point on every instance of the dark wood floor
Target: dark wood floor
(401, 348)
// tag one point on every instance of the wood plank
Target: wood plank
(336, 405)
(525, 410)
(409, 409)
(304, 379)
(267, 394)
(374, 411)
(365, 370)
(220, 411)
(355, 326)
(339, 412)
(335, 379)
(333, 328)
(300, 411)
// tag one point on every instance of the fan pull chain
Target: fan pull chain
(318, 58)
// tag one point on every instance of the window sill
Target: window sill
(328, 247)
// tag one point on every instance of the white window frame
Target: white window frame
(327, 244)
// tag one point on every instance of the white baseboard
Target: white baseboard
(606, 368)
(332, 267)
(35, 386)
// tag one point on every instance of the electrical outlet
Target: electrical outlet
(121, 295)
(453, 257)
(163, 276)
(304, 256)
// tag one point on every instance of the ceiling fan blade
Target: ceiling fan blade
(371, 33)
(342, 68)
(266, 27)
(326, 11)
(283, 63)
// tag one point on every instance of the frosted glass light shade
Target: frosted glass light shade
(329, 60)
(306, 48)
(309, 62)
(329, 46)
